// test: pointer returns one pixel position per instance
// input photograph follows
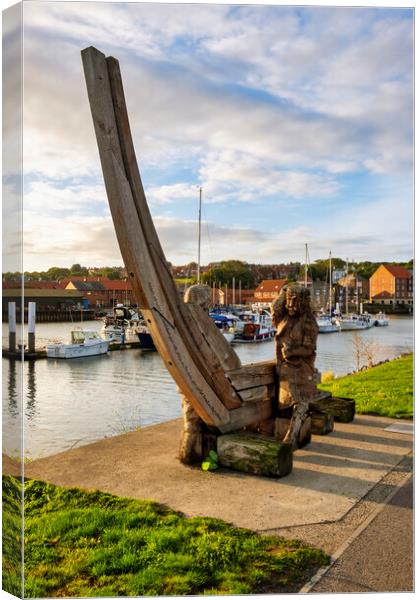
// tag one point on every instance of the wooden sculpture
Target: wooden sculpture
(296, 336)
(208, 373)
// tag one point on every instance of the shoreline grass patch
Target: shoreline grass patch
(84, 544)
(385, 390)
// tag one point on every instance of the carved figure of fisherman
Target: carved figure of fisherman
(296, 335)
(190, 450)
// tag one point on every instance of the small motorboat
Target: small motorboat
(254, 326)
(352, 322)
(380, 320)
(123, 323)
(226, 323)
(326, 324)
(83, 342)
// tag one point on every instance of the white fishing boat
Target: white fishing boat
(83, 342)
(327, 324)
(380, 320)
(354, 322)
(254, 326)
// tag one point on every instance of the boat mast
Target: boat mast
(199, 238)
(346, 288)
(358, 309)
(330, 285)
(306, 265)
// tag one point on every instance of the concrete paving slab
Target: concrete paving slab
(401, 428)
(329, 475)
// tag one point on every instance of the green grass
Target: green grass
(94, 544)
(385, 390)
(12, 536)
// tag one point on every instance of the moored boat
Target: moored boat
(326, 324)
(380, 320)
(226, 323)
(354, 322)
(145, 337)
(83, 342)
(254, 326)
(122, 322)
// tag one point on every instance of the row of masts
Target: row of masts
(305, 272)
(330, 277)
(330, 280)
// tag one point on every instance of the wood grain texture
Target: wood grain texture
(253, 375)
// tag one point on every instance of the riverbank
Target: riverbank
(385, 389)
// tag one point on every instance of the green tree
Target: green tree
(77, 269)
(109, 272)
(225, 271)
(366, 268)
(320, 268)
(57, 273)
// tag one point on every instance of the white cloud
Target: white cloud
(73, 199)
(243, 176)
(169, 193)
(253, 103)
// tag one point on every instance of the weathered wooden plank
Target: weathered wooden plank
(253, 375)
(254, 454)
(202, 353)
(257, 394)
(136, 253)
(217, 350)
(249, 412)
(215, 339)
(342, 409)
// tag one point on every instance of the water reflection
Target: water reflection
(11, 408)
(12, 394)
(31, 390)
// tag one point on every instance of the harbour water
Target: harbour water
(70, 403)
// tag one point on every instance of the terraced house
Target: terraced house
(268, 290)
(392, 285)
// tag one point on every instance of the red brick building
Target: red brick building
(391, 285)
(100, 291)
(228, 297)
(268, 290)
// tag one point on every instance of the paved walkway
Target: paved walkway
(380, 557)
(338, 483)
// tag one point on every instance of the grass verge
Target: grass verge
(12, 535)
(84, 544)
(385, 390)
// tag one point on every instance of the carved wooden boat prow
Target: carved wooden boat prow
(204, 366)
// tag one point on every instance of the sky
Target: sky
(297, 122)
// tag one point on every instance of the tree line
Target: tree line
(222, 273)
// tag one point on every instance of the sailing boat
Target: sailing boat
(353, 321)
(325, 322)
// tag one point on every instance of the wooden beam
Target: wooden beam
(202, 353)
(136, 251)
(253, 375)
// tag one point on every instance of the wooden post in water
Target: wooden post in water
(12, 326)
(31, 326)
